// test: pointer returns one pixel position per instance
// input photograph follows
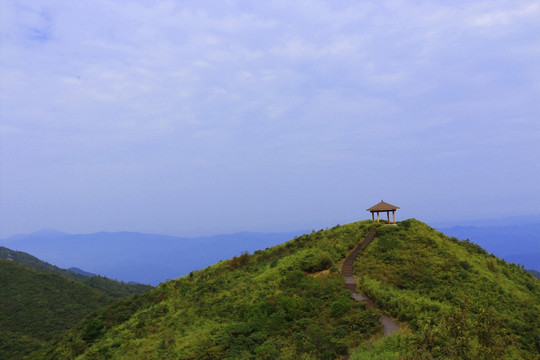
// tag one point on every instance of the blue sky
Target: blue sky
(201, 117)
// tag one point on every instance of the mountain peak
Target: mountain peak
(290, 301)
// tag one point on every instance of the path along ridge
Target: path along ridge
(389, 325)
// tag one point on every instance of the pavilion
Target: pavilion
(383, 207)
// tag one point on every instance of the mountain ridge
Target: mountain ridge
(39, 301)
(36, 306)
(140, 257)
(453, 300)
(112, 288)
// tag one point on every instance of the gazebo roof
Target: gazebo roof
(382, 206)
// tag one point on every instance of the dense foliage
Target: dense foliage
(34, 263)
(286, 302)
(36, 306)
(110, 287)
(460, 302)
(114, 288)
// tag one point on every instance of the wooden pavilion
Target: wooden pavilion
(383, 207)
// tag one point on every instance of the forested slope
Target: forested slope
(35, 307)
(110, 287)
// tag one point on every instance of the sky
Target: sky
(202, 117)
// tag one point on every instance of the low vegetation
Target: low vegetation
(458, 301)
(452, 299)
(286, 302)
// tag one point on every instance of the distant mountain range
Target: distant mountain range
(142, 258)
(80, 271)
(152, 259)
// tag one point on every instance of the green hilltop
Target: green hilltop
(456, 300)
(452, 300)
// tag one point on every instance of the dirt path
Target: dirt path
(389, 325)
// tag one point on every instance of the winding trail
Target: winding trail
(389, 325)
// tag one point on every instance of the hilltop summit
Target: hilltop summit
(451, 299)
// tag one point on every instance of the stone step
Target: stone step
(389, 325)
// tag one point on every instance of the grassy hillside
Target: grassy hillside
(288, 302)
(35, 307)
(144, 258)
(459, 301)
(110, 287)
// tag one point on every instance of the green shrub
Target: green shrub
(314, 260)
(340, 306)
(93, 330)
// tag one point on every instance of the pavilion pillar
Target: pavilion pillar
(388, 216)
(377, 216)
(394, 216)
(372, 216)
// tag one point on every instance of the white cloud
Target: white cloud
(488, 16)
(194, 89)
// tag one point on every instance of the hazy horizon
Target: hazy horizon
(443, 224)
(207, 117)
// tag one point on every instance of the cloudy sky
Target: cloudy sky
(202, 117)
